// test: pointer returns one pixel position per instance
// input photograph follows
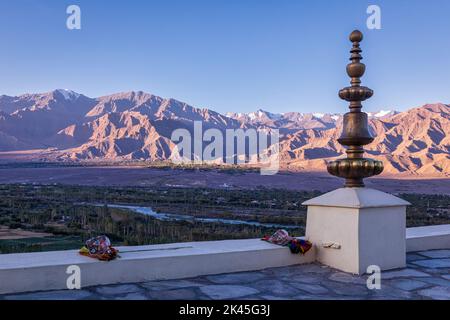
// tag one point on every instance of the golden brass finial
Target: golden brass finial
(355, 132)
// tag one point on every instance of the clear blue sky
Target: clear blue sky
(228, 55)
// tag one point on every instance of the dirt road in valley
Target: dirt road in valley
(135, 176)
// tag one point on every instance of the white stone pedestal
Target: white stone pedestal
(353, 228)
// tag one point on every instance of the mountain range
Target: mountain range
(67, 126)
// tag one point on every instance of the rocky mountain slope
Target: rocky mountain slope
(138, 126)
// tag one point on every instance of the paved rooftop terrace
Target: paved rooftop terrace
(427, 276)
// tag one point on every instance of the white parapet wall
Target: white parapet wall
(428, 238)
(26, 272)
(47, 270)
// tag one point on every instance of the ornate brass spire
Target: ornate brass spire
(355, 132)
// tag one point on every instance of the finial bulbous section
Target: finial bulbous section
(356, 36)
(355, 93)
(356, 69)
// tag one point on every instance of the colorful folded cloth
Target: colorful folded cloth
(282, 238)
(299, 246)
(99, 248)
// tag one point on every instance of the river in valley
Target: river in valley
(181, 217)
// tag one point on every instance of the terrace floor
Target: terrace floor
(427, 276)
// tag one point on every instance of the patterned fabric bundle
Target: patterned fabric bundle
(299, 246)
(99, 248)
(282, 238)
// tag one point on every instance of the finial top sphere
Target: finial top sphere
(356, 36)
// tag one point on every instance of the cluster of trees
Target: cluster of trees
(427, 209)
(68, 213)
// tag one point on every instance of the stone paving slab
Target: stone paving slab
(437, 281)
(172, 284)
(433, 263)
(243, 277)
(428, 277)
(175, 294)
(221, 291)
(348, 278)
(436, 293)
(414, 257)
(118, 290)
(408, 284)
(133, 296)
(53, 295)
(314, 289)
(435, 253)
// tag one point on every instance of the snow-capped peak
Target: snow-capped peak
(68, 94)
(253, 115)
(335, 117)
(318, 115)
(382, 113)
(274, 116)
